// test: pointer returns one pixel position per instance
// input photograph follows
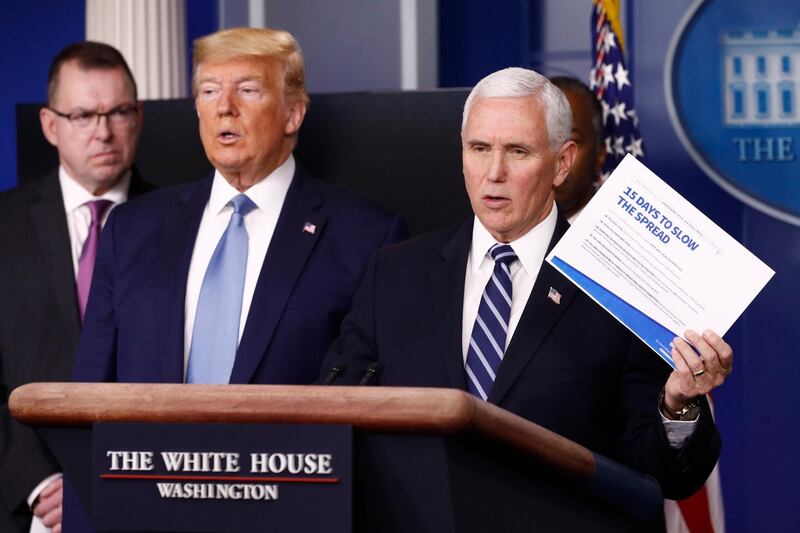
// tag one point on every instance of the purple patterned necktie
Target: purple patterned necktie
(86, 262)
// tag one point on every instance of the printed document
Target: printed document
(655, 262)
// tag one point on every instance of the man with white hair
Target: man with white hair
(475, 307)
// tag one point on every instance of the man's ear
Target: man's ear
(297, 113)
(564, 159)
(48, 121)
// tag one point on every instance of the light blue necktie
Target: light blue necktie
(488, 341)
(215, 336)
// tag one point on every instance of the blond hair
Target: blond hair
(265, 43)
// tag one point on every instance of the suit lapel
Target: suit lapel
(537, 320)
(176, 245)
(49, 219)
(286, 256)
(447, 294)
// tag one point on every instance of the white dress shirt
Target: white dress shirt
(531, 249)
(268, 195)
(79, 217)
(37, 526)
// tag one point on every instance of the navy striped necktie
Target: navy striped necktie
(488, 340)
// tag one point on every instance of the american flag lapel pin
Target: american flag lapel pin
(309, 228)
(554, 295)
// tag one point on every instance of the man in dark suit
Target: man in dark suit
(242, 277)
(48, 234)
(476, 307)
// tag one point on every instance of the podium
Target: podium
(436, 460)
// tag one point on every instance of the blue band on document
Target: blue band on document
(651, 332)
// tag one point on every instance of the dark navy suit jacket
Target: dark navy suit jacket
(134, 328)
(570, 367)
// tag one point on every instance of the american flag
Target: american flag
(610, 81)
(554, 295)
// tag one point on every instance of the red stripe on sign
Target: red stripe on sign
(224, 478)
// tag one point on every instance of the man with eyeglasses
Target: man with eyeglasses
(49, 234)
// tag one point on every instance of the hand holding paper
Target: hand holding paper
(697, 375)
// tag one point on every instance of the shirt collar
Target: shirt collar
(268, 194)
(75, 195)
(530, 248)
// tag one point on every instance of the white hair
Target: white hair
(515, 82)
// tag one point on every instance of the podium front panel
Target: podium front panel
(221, 477)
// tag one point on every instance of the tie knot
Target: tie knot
(503, 253)
(242, 204)
(98, 208)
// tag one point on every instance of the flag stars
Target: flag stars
(619, 113)
(608, 41)
(618, 142)
(634, 117)
(611, 81)
(622, 77)
(606, 111)
(608, 74)
(635, 147)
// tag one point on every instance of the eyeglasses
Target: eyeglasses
(120, 117)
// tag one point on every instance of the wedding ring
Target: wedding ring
(699, 373)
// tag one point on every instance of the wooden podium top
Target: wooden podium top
(377, 409)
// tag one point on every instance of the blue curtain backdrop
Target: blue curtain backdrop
(32, 33)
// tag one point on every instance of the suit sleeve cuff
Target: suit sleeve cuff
(678, 431)
(40, 487)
